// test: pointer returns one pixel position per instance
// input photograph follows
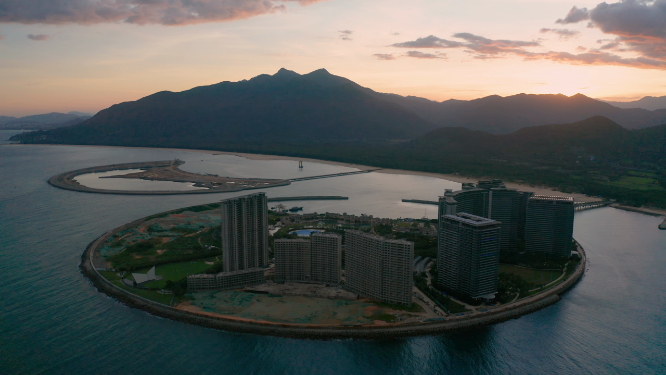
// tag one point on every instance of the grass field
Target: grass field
(176, 271)
(638, 183)
(154, 296)
(536, 277)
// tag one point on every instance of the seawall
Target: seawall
(494, 315)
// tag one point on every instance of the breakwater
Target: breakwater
(333, 175)
(494, 315)
(309, 198)
(420, 201)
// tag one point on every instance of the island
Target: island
(144, 264)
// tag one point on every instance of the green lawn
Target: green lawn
(637, 183)
(176, 271)
(532, 276)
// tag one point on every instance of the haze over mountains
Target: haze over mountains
(649, 102)
(45, 121)
(320, 107)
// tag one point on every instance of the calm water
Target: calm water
(53, 321)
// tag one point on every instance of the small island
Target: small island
(146, 264)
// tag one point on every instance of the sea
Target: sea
(53, 321)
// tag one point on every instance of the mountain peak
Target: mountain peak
(285, 73)
(321, 71)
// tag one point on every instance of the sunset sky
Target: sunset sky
(85, 55)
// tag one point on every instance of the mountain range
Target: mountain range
(649, 102)
(42, 122)
(316, 107)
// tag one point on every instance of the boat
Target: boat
(294, 209)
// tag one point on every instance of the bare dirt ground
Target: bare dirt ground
(173, 173)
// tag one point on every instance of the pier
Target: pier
(421, 201)
(309, 198)
(332, 175)
(581, 206)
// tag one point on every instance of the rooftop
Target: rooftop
(470, 219)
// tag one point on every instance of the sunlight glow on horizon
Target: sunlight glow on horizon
(89, 68)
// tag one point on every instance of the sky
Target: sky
(86, 55)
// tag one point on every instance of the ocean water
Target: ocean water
(53, 321)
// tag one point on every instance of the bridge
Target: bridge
(332, 175)
(581, 206)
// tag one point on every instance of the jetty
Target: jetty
(421, 201)
(309, 198)
(332, 175)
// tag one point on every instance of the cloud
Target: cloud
(564, 34)
(599, 58)
(38, 37)
(639, 26)
(142, 12)
(422, 55)
(428, 42)
(632, 18)
(345, 34)
(484, 48)
(575, 15)
(384, 56)
(488, 48)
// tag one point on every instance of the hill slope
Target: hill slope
(650, 103)
(502, 115)
(285, 107)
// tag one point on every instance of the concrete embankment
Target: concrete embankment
(494, 315)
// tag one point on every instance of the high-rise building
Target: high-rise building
(549, 227)
(504, 206)
(326, 257)
(524, 198)
(470, 199)
(315, 260)
(292, 260)
(379, 268)
(468, 255)
(489, 199)
(244, 245)
(245, 232)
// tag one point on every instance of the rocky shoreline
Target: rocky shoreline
(495, 315)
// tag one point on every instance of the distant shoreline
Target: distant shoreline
(449, 177)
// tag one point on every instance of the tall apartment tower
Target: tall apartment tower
(504, 206)
(326, 257)
(524, 198)
(245, 232)
(379, 268)
(549, 225)
(292, 260)
(468, 255)
(316, 259)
